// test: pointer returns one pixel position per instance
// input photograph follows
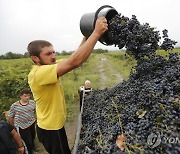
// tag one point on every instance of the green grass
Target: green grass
(165, 53)
(122, 62)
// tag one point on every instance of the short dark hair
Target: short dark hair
(24, 92)
(35, 47)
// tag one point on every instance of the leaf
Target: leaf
(140, 113)
(159, 119)
(120, 142)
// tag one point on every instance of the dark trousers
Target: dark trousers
(28, 135)
(54, 141)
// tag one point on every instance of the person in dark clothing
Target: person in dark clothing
(10, 141)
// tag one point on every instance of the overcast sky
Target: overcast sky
(57, 21)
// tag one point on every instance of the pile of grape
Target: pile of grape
(145, 108)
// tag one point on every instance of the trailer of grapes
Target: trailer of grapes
(141, 114)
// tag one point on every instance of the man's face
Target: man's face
(25, 97)
(47, 56)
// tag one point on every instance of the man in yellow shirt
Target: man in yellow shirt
(45, 84)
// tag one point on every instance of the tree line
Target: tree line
(11, 55)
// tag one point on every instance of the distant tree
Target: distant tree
(10, 55)
(2, 57)
(100, 51)
(65, 53)
(58, 53)
(26, 55)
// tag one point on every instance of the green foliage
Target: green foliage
(122, 62)
(11, 55)
(13, 78)
(64, 53)
(99, 51)
(166, 53)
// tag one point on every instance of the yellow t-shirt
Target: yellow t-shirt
(49, 96)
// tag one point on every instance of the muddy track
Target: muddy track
(105, 70)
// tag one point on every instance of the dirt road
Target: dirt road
(107, 73)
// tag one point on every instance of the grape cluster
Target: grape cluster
(167, 44)
(140, 39)
(145, 104)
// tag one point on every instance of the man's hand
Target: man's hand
(101, 26)
(21, 150)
